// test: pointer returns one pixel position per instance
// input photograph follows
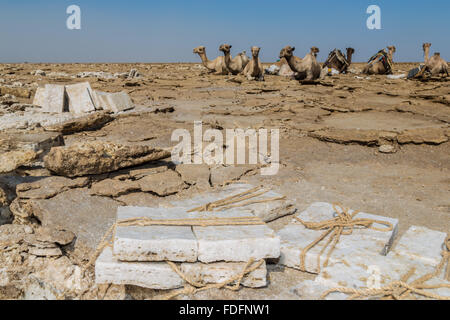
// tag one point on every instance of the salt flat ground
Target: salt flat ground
(331, 133)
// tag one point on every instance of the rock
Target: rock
(427, 135)
(38, 73)
(55, 99)
(11, 234)
(160, 276)
(80, 98)
(163, 184)
(98, 158)
(387, 149)
(86, 216)
(48, 187)
(45, 252)
(39, 142)
(197, 175)
(60, 237)
(114, 102)
(267, 211)
(221, 175)
(10, 161)
(90, 122)
(362, 242)
(114, 188)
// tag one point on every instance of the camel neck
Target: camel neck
(204, 57)
(227, 57)
(427, 54)
(349, 57)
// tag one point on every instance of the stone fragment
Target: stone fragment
(114, 102)
(89, 122)
(40, 142)
(45, 252)
(10, 161)
(154, 243)
(55, 99)
(98, 157)
(52, 235)
(421, 244)
(114, 188)
(267, 211)
(221, 175)
(424, 135)
(387, 149)
(152, 275)
(48, 187)
(197, 175)
(163, 184)
(80, 98)
(362, 242)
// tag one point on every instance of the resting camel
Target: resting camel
(307, 68)
(435, 65)
(254, 69)
(338, 61)
(216, 66)
(236, 65)
(381, 63)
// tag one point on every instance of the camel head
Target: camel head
(437, 54)
(225, 48)
(426, 45)
(392, 49)
(315, 51)
(200, 50)
(287, 52)
(255, 51)
(350, 51)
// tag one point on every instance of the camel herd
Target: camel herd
(309, 68)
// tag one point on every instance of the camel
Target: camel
(307, 68)
(338, 61)
(381, 63)
(245, 59)
(236, 65)
(435, 65)
(254, 69)
(216, 66)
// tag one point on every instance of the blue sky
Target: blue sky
(167, 31)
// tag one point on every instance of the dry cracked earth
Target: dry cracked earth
(374, 144)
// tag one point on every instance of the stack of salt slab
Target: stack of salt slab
(79, 99)
(208, 255)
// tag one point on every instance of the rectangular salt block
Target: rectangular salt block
(40, 97)
(160, 276)
(296, 237)
(80, 98)
(267, 211)
(54, 98)
(152, 275)
(115, 102)
(423, 244)
(154, 243)
(236, 243)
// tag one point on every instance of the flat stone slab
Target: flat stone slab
(372, 270)
(40, 97)
(295, 237)
(154, 243)
(115, 102)
(55, 99)
(190, 244)
(160, 276)
(80, 98)
(422, 244)
(267, 211)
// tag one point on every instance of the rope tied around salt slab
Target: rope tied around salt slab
(343, 224)
(445, 262)
(192, 287)
(238, 200)
(108, 238)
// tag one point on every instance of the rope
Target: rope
(343, 224)
(445, 263)
(237, 201)
(193, 287)
(398, 290)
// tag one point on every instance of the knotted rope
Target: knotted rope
(237, 201)
(343, 224)
(397, 290)
(194, 287)
(445, 262)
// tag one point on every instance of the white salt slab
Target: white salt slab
(154, 243)
(115, 102)
(54, 98)
(295, 237)
(160, 276)
(80, 98)
(152, 275)
(236, 243)
(267, 211)
(422, 244)
(40, 97)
